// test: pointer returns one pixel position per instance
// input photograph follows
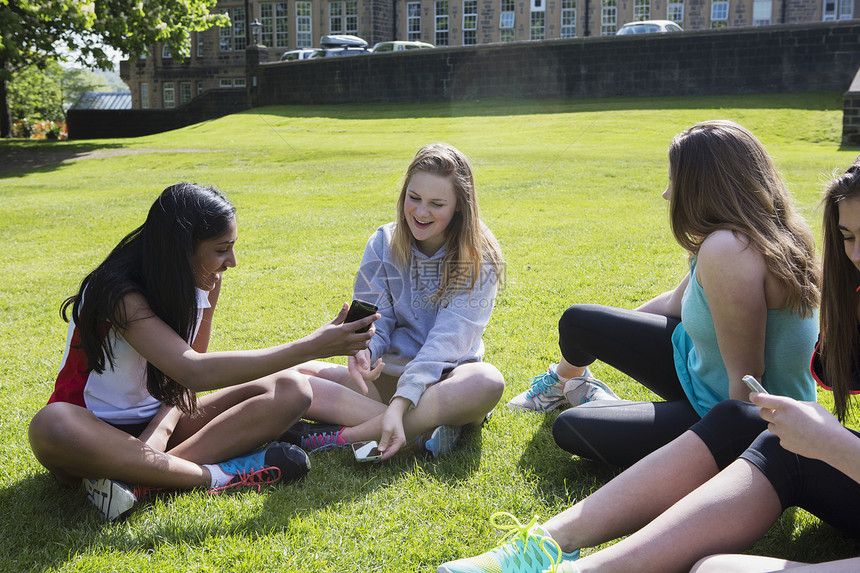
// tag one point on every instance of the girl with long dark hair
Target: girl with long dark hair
(125, 415)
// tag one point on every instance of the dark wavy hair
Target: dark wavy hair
(155, 261)
(840, 341)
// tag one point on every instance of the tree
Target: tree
(36, 32)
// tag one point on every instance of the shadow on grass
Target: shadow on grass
(20, 158)
(820, 101)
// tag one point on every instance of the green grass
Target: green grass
(570, 188)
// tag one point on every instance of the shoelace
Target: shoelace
(541, 383)
(519, 531)
(254, 478)
(321, 441)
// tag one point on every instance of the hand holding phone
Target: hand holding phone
(366, 451)
(753, 384)
(360, 309)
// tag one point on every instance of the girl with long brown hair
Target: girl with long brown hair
(746, 306)
(434, 275)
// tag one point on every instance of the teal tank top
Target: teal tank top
(789, 344)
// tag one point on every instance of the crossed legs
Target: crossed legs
(73, 444)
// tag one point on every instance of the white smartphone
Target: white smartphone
(753, 384)
(366, 451)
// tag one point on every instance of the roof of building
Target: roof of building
(103, 100)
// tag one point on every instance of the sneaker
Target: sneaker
(271, 464)
(545, 394)
(113, 498)
(528, 549)
(584, 389)
(312, 436)
(441, 441)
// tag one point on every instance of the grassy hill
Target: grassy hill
(570, 188)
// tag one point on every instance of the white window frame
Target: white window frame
(184, 92)
(675, 12)
(304, 25)
(144, 95)
(837, 9)
(169, 92)
(441, 26)
(199, 88)
(719, 13)
(413, 21)
(537, 25)
(166, 53)
(225, 83)
(608, 17)
(762, 13)
(201, 47)
(225, 35)
(507, 15)
(470, 22)
(568, 18)
(239, 82)
(641, 10)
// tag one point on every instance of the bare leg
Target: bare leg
(726, 514)
(464, 397)
(636, 496)
(235, 420)
(72, 443)
(565, 370)
(756, 564)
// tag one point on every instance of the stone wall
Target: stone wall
(771, 59)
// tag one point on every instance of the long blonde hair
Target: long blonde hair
(469, 243)
(840, 342)
(723, 178)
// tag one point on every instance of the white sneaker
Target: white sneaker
(586, 388)
(545, 394)
(114, 499)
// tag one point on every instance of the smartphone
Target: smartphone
(366, 451)
(753, 384)
(358, 310)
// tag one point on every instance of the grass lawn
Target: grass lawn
(570, 188)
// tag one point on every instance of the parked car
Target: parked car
(342, 41)
(347, 51)
(398, 46)
(649, 27)
(301, 54)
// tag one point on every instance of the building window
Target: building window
(568, 18)
(641, 10)
(199, 88)
(507, 17)
(470, 22)
(165, 52)
(184, 92)
(608, 17)
(303, 25)
(413, 21)
(169, 95)
(675, 12)
(441, 22)
(841, 9)
(144, 96)
(233, 37)
(275, 21)
(225, 83)
(762, 11)
(343, 17)
(537, 20)
(719, 13)
(200, 45)
(239, 82)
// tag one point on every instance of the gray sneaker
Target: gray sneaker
(583, 389)
(545, 394)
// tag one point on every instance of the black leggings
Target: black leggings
(734, 429)
(640, 345)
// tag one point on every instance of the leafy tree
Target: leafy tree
(36, 32)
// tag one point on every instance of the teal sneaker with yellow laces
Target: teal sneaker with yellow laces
(527, 549)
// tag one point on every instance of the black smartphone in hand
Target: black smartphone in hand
(358, 310)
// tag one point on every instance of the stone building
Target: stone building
(217, 56)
